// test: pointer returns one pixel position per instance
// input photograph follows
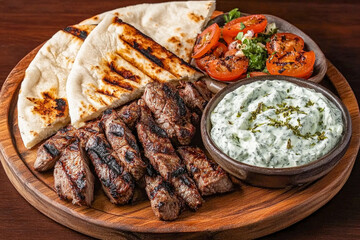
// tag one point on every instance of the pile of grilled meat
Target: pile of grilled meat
(164, 117)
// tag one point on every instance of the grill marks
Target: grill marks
(209, 177)
(49, 152)
(153, 51)
(124, 144)
(170, 112)
(159, 150)
(72, 176)
(148, 68)
(76, 32)
(116, 182)
(164, 202)
(126, 74)
(49, 107)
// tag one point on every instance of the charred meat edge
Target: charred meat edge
(117, 183)
(124, 143)
(162, 156)
(209, 176)
(73, 179)
(49, 152)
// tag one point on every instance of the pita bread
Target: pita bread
(42, 104)
(113, 66)
(173, 25)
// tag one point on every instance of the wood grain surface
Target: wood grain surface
(334, 26)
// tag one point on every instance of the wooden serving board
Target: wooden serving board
(248, 212)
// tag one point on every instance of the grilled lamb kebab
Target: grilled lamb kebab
(200, 85)
(116, 182)
(84, 133)
(49, 152)
(124, 143)
(170, 112)
(164, 202)
(192, 97)
(209, 177)
(130, 114)
(159, 150)
(72, 176)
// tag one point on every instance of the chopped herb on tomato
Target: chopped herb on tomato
(239, 36)
(242, 26)
(256, 54)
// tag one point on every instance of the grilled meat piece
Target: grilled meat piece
(192, 97)
(85, 132)
(209, 177)
(130, 114)
(49, 152)
(164, 203)
(117, 183)
(72, 176)
(200, 85)
(170, 112)
(162, 156)
(124, 143)
(157, 146)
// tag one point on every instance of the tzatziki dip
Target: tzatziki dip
(275, 124)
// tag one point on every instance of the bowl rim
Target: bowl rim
(338, 149)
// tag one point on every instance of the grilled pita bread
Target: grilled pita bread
(173, 25)
(113, 66)
(42, 103)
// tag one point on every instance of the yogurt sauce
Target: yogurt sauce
(275, 124)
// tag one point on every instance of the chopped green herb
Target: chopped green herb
(242, 26)
(256, 54)
(247, 75)
(257, 111)
(321, 109)
(238, 114)
(233, 14)
(298, 120)
(309, 103)
(321, 136)
(239, 36)
(289, 146)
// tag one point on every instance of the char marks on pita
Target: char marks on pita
(42, 102)
(113, 67)
(161, 22)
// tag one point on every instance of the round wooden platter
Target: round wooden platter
(248, 212)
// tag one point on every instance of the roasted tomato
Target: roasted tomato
(257, 23)
(217, 51)
(228, 39)
(206, 40)
(282, 43)
(227, 68)
(295, 64)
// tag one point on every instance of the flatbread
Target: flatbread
(113, 66)
(173, 25)
(42, 104)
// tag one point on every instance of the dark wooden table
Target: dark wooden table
(334, 25)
